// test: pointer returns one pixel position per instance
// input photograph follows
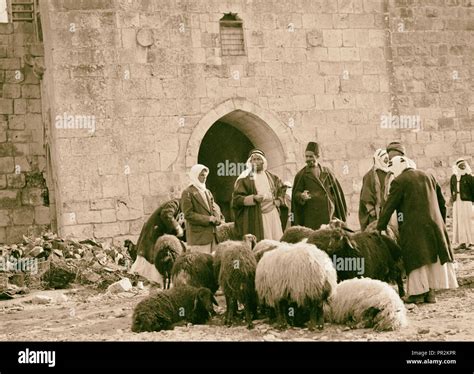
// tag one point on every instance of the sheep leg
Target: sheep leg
(316, 316)
(401, 289)
(230, 304)
(249, 311)
(281, 309)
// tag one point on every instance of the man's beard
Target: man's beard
(256, 169)
(311, 163)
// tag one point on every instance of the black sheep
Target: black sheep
(164, 309)
(167, 249)
(194, 269)
(382, 255)
(237, 279)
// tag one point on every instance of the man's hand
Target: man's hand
(277, 203)
(258, 198)
(179, 231)
(214, 220)
(305, 195)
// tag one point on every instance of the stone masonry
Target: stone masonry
(151, 76)
(24, 196)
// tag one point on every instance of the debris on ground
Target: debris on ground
(50, 262)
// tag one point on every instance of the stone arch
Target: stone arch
(261, 126)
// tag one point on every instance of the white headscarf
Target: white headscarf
(400, 163)
(249, 167)
(459, 172)
(194, 176)
(379, 160)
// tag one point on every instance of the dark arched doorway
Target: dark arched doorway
(224, 150)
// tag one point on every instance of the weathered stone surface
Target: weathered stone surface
(321, 63)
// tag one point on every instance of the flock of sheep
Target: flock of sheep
(291, 281)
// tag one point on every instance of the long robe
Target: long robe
(462, 196)
(248, 218)
(372, 196)
(162, 221)
(327, 198)
(421, 212)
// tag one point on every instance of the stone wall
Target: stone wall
(433, 60)
(24, 196)
(151, 73)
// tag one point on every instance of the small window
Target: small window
(22, 11)
(232, 35)
(27, 11)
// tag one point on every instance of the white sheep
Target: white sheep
(365, 302)
(263, 246)
(296, 273)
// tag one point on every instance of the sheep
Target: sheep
(392, 232)
(164, 309)
(250, 241)
(167, 249)
(381, 256)
(235, 264)
(226, 231)
(194, 269)
(366, 303)
(131, 249)
(296, 273)
(263, 246)
(296, 234)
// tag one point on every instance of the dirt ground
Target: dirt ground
(83, 314)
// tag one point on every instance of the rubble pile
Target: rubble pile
(50, 262)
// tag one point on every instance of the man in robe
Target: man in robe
(421, 213)
(462, 196)
(317, 195)
(256, 200)
(372, 194)
(167, 219)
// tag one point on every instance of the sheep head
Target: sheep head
(332, 241)
(204, 299)
(250, 240)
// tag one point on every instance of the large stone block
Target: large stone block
(5, 218)
(11, 91)
(107, 230)
(114, 185)
(6, 106)
(23, 216)
(14, 234)
(332, 38)
(42, 215)
(16, 181)
(76, 231)
(7, 165)
(30, 91)
(92, 216)
(108, 215)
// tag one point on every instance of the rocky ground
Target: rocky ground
(85, 313)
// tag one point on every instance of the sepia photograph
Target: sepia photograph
(237, 171)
